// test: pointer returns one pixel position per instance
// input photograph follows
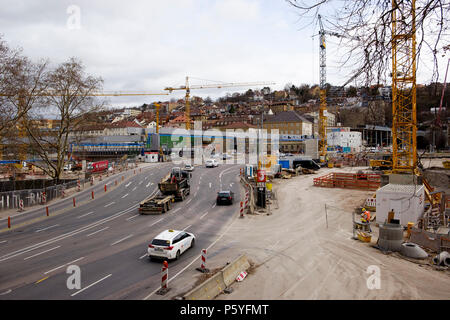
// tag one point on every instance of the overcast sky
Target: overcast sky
(148, 44)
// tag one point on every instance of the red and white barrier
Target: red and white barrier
(241, 276)
(92, 180)
(165, 275)
(44, 198)
(203, 266)
(21, 205)
(63, 193)
(78, 185)
(241, 215)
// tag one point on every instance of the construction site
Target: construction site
(309, 192)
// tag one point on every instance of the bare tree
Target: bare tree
(21, 83)
(370, 21)
(69, 99)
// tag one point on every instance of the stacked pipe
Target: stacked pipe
(442, 259)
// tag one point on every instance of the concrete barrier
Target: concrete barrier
(231, 271)
(216, 284)
(209, 289)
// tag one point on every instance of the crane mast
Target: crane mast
(323, 94)
(404, 122)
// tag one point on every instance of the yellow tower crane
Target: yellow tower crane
(188, 88)
(404, 122)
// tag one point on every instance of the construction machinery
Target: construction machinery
(187, 87)
(174, 186)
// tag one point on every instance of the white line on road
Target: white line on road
(140, 182)
(176, 210)
(125, 196)
(148, 184)
(91, 285)
(37, 254)
(204, 215)
(109, 204)
(6, 292)
(64, 265)
(187, 227)
(119, 241)
(214, 205)
(210, 185)
(189, 201)
(56, 225)
(3, 241)
(133, 217)
(90, 234)
(86, 214)
(128, 184)
(156, 222)
(134, 188)
(145, 255)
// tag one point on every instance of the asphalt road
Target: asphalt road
(107, 238)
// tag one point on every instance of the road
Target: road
(108, 239)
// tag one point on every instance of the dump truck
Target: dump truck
(174, 186)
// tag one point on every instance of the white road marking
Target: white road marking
(128, 184)
(119, 241)
(86, 214)
(145, 255)
(210, 185)
(189, 201)
(37, 254)
(64, 265)
(156, 222)
(109, 204)
(214, 205)
(3, 241)
(187, 227)
(90, 234)
(6, 292)
(125, 196)
(91, 285)
(134, 188)
(140, 182)
(56, 225)
(148, 184)
(176, 210)
(133, 217)
(204, 215)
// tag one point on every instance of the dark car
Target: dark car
(224, 197)
(307, 164)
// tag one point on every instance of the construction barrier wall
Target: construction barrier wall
(212, 287)
(349, 181)
(429, 240)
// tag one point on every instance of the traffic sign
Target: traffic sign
(261, 175)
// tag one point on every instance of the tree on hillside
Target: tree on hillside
(69, 104)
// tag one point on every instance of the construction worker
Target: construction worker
(365, 217)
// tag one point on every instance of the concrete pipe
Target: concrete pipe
(412, 250)
(442, 258)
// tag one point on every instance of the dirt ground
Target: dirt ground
(297, 257)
